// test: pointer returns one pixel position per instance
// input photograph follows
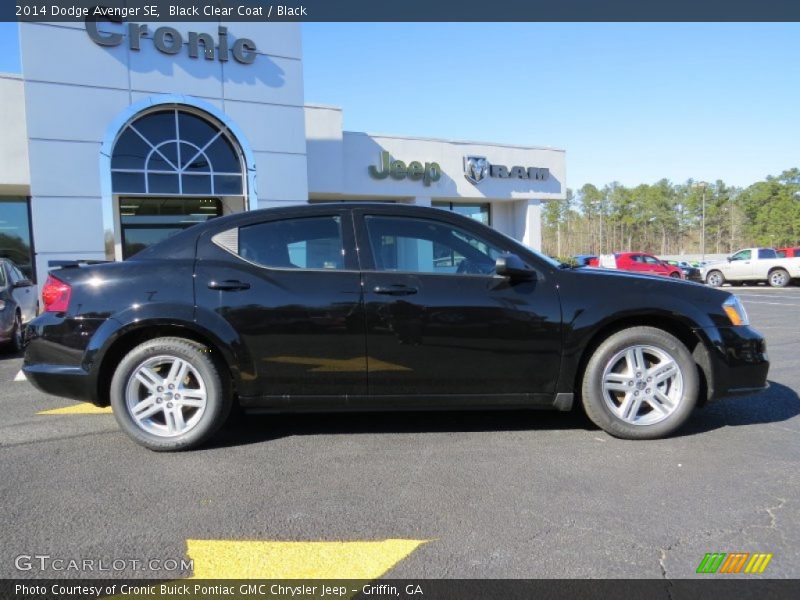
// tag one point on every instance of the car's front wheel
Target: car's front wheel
(169, 394)
(715, 279)
(640, 383)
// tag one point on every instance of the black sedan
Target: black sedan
(336, 307)
(691, 273)
(18, 302)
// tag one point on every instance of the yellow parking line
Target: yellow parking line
(84, 408)
(228, 559)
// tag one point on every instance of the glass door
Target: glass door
(146, 221)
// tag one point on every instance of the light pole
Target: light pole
(704, 185)
(599, 204)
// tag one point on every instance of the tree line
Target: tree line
(667, 218)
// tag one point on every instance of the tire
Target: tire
(675, 275)
(172, 418)
(779, 278)
(611, 362)
(16, 342)
(715, 278)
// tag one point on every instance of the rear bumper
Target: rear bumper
(55, 357)
(738, 361)
(60, 380)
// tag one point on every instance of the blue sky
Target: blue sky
(629, 102)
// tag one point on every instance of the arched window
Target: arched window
(176, 152)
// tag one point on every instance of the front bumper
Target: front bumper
(737, 360)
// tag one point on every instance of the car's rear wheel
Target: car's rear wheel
(715, 278)
(640, 383)
(675, 275)
(169, 394)
(779, 278)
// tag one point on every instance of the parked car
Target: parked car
(18, 302)
(788, 252)
(752, 264)
(583, 260)
(638, 262)
(347, 306)
(689, 272)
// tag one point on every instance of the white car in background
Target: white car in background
(752, 264)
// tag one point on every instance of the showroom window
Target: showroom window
(178, 153)
(170, 169)
(306, 243)
(480, 211)
(15, 235)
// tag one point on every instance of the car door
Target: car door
(654, 266)
(740, 265)
(24, 293)
(442, 327)
(290, 288)
(7, 303)
(635, 263)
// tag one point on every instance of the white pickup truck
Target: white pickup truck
(752, 264)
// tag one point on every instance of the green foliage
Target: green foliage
(667, 218)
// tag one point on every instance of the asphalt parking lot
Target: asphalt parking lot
(474, 495)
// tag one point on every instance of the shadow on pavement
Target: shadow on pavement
(6, 355)
(778, 403)
(253, 428)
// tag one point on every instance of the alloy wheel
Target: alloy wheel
(714, 279)
(642, 385)
(778, 279)
(166, 396)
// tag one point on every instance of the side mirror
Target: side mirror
(23, 283)
(729, 258)
(511, 266)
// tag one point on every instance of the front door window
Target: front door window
(423, 246)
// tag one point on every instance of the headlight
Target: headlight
(734, 308)
(2, 304)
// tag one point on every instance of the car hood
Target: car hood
(632, 275)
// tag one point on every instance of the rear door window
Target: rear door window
(301, 243)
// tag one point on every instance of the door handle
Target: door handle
(229, 285)
(395, 290)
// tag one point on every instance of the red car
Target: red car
(639, 262)
(788, 252)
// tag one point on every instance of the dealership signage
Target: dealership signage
(428, 172)
(169, 40)
(478, 168)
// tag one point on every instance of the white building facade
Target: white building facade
(119, 134)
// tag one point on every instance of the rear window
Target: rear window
(767, 253)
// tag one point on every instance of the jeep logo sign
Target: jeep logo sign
(477, 168)
(168, 40)
(397, 169)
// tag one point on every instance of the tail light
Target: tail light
(55, 295)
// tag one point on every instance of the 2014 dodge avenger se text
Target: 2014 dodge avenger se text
(379, 307)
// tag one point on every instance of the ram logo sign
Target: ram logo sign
(478, 168)
(734, 562)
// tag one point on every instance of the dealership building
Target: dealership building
(119, 134)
